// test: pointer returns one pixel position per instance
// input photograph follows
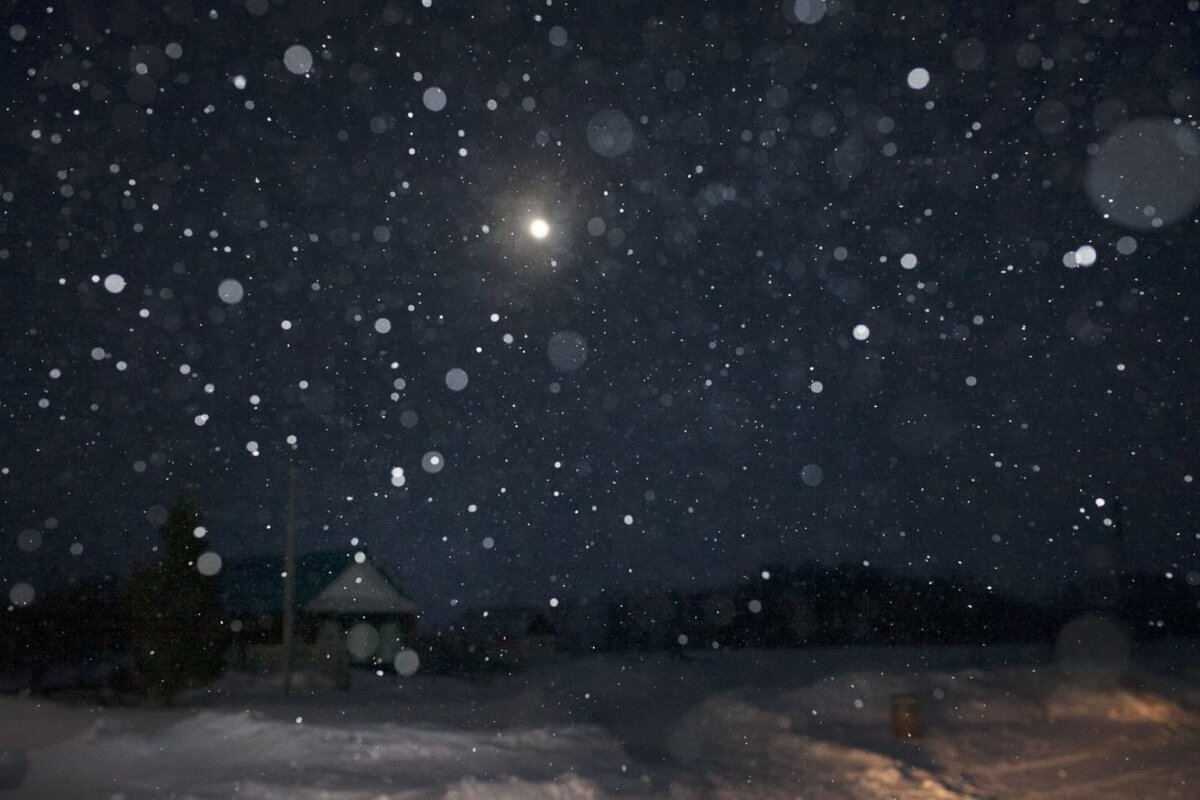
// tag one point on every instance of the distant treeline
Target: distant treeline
(789, 606)
(76, 634)
(82, 632)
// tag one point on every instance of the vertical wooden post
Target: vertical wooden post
(1119, 564)
(289, 582)
(1118, 518)
(906, 717)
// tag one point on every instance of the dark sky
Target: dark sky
(672, 386)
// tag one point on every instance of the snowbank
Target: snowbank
(766, 724)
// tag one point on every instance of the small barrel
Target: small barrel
(906, 717)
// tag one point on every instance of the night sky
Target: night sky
(549, 297)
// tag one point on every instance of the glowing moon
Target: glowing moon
(539, 229)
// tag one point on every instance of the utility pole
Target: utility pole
(1118, 518)
(289, 582)
(1119, 566)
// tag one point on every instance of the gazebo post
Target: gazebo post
(289, 582)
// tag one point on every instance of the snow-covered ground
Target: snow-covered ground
(805, 723)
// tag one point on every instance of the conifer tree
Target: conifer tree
(178, 637)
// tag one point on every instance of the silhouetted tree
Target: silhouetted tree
(178, 637)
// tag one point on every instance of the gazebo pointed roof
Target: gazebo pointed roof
(255, 585)
(361, 588)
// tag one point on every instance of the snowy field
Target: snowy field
(805, 723)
